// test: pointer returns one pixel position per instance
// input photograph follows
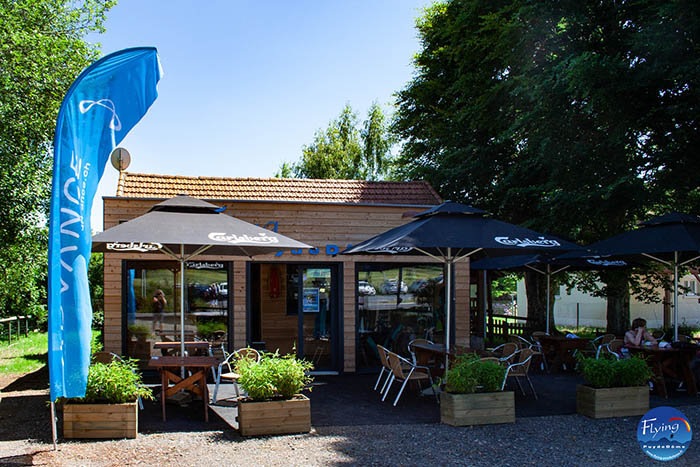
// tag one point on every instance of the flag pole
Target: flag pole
(53, 426)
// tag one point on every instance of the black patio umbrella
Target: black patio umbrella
(452, 232)
(672, 239)
(183, 228)
(546, 265)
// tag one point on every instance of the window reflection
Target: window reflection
(153, 304)
(396, 304)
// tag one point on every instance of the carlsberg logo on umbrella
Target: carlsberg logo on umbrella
(540, 242)
(261, 239)
(134, 246)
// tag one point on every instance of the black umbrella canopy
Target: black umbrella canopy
(452, 232)
(661, 237)
(546, 265)
(523, 262)
(672, 239)
(192, 223)
(463, 229)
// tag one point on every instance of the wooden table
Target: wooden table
(668, 362)
(202, 347)
(562, 348)
(195, 382)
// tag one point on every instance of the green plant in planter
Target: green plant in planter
(273, 376)
(114, 383)
(610, 373)
(469, 375)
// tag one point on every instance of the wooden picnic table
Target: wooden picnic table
(167, 347)
(668, 362)
(195, 382)
(562, 348)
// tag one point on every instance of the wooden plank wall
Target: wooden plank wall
(320, 225)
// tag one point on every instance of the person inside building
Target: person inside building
(639, 335)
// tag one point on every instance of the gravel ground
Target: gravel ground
(568, 440)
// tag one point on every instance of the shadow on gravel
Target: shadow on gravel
(25, 417)
(36, 380)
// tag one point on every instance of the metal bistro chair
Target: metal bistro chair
(385, 368)
(601, 341)
(505, 352)
(416, 373)
(417, 341)
(537, 346)
(614, 347)
(520, 370)
(240, 354)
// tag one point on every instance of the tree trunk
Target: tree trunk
(536, 289)
(618, 310)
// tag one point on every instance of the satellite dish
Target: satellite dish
(120, 158)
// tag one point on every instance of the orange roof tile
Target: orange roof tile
(132, 185)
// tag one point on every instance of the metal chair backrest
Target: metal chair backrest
(396, 364)
(523, 364)
(615, 347)
(508, 350)
(521, 342)
(245, 353)
(417, 341)
(383, 356)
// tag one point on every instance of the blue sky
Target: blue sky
(247, 83)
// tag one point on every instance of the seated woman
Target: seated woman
(639, 334)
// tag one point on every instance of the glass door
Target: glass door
(318, 316)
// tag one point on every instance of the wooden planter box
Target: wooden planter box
(274, 417)
(612, 402)
(100, 420)
(477, 409)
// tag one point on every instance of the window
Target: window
(396, 304)
(152, 299)
(691, 287)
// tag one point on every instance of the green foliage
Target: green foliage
(207, 328)
(575, 118)
(25, 355)
(505, 286)
(96, 344)
(114, 383)
(273, 376)
(342, 151)
(469, 375)
(97, 294)
(42, 50)
(612, 373)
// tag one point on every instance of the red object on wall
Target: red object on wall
(274, 284)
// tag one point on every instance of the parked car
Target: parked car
(365, 288)
(391, 287)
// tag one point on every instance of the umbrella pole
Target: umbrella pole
(675, 295)
(182, 305)
(448, 308)
(549, 270)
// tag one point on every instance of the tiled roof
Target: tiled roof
(132, 185)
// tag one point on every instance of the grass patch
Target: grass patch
(25, 355)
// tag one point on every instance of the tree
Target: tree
(42, 51)
(376, 143)
(342, 151)
(571, 117)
